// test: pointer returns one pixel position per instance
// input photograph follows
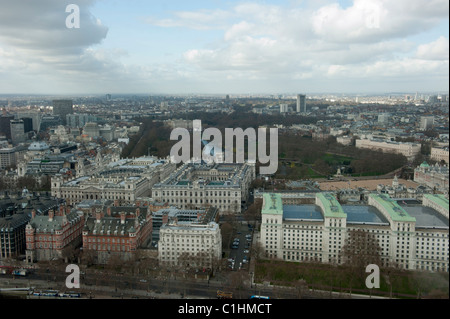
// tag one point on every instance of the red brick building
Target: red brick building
(48, 236)
(117, 231)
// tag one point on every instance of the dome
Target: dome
(38, 146)
(424, 164)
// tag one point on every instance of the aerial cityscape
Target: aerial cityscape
(137, 141)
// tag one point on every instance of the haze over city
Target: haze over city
(224, 47)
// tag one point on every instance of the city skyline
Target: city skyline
(224, 47)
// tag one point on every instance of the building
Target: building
(196, 186)
(12, 234)
(434, 176)
(440, 154)
(124, 180)
(15, 213)
(80, 120)
(190, 244)
(165, 214)
(18, 131)
(92, 130)
(410, 235)
(284, 108)
(301, 103)
(5, 125)
(116, 232)
(11, 156)
(426, 122)
(409, 150)
(62, 108)
(48, 236)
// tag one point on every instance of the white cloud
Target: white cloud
(436, 50)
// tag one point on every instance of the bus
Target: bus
(259, 297)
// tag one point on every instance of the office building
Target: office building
(196, 186)
(18, 131)
(62, 108)
(5, 125)
(301, 103)
(409, 235)
(426, 122)
(190, 244)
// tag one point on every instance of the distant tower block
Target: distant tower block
(62, 108)
(301, 103)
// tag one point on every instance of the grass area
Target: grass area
(406, 284)
(333, 159)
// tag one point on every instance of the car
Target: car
(143, 280)
(234, 247)
(246, 251)
(231, 259)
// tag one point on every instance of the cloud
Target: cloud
(436, 50)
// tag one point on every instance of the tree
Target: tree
(360, 249)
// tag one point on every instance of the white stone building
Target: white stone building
(190, 244)
(409, 235)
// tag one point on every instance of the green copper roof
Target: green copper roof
(439, 199)
(331, 206)
(391, 207)
(272, 204)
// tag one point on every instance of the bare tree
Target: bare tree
(361, 248)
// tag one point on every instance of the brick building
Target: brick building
(48, 236)
(116, 231)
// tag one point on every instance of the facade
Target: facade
(301, 103)
(433, 176)
(194, 186)
(409, 150)
(124, 180)
(410, 236)
(440, 154)
(62, 108)
(116, 231)
(190, 244)
(17, 131)
(48, 236)
(12, 235)
(80, 120)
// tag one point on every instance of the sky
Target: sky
(224, 47)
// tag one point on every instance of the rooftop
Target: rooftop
(391, 207)
(363, 214)
(331, 206)
(272, 204)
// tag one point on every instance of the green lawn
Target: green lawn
(405, 284)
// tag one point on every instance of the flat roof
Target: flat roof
(302, 212)
(364, 214)
(426, 216)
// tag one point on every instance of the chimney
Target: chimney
(138, 203)
(51, 214)
(122, 217)
(33, 214)
(116, 203)
(98, 216)
(108, 211)
(61, 210)
(138, 212)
